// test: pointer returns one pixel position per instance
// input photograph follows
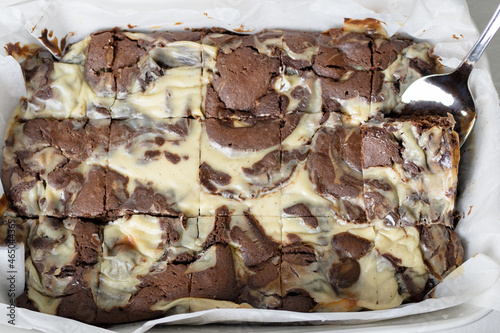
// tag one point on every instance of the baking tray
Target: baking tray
(238, 14)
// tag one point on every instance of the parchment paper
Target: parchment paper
(445, 23)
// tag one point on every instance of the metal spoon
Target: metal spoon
(449, 93)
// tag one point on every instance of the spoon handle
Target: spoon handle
(478, 49)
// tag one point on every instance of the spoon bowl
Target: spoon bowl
(450, 93)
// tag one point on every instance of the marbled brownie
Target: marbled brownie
(329, 71)
(233, 63)
(58, 90)
(63, 266)
(410, 170)
(167, 172)
(145, 260)
(252, 244)
(153, 167)
(56, 167)
(330, 266)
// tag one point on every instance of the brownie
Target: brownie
(442, 250)
(153, 167)
(235, 62)
(167, 82)
(329, 181)
(150, 174)
(251, 244)
(62, 269)
(397, 62)
(331, 266)
(239, 161)
(410, 169)
(329, 71)
(111, 61)
(145, 261)
(56, 167)
(58, 90)
(156, 75)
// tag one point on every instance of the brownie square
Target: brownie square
(62, 268)
(329, 71)
(153, 167)
(331, 266)
(328, 182)
(150, 75)
(233, 63)
(175, 93)
(168, 79)
(240, 165)
(251, 246)
(397, 63)
(56, 167)
(111, 61)
(58, 90)
(145, 262)
(410, 169)
(319, 274)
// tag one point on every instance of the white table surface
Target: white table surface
(481, 11)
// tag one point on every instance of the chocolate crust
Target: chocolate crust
(236, 75)
(258, 135)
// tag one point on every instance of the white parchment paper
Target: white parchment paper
(445, 23)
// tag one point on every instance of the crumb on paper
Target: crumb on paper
(368, 25)
(242, 28)
(470, 210)
(131, 26)
(178, 23)
(206, 14)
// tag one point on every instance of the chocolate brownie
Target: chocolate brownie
(62, 269)
(155, 75)
(410, 170)
(328, 71)
(56, 167)
(240, 165)
(252, 244)
(58, 90)
(145, 261)
(158, 173)
(442, 250)
(232, 64)
(329, 181)
(166, 80)
(331, 266)
(397, 62)
(153, 167)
